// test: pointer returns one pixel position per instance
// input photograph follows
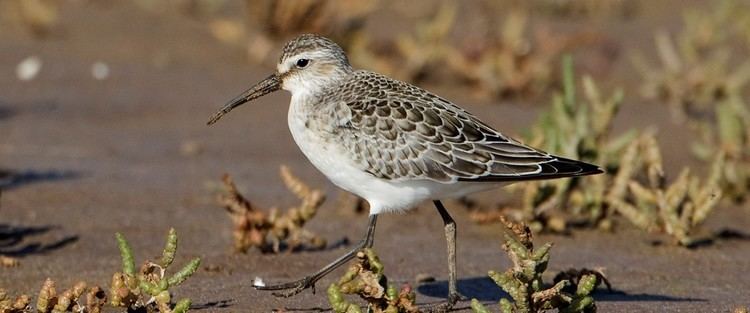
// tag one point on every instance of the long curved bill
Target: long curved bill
(264, 87)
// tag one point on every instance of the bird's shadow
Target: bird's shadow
(480, 288)
(485, 290)
(213, 305)
(284, 247)
(13, 238)
(11, 179)
(728, 234)
(717, 237)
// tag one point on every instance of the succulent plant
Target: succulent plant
(79, 299)
(730, 134)
(523, 281)
(676, 208)
(150, 285)
(268, 231)
(365, 278)
(579, 130)
(695, 69)
(9, 304)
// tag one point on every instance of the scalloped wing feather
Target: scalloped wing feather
(397, 131)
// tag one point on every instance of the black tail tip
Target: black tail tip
(577, 168)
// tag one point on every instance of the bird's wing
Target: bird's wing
(397, 131)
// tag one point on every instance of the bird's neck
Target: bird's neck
(308, 90)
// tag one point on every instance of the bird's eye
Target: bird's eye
(302, 62)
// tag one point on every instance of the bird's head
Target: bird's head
(308, 64)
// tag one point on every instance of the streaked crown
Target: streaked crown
(311, 43)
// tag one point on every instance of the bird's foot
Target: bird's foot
(443, 307)
(290, 288)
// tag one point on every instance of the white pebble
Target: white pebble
(28, 68)
(100, 70)
(258, 282)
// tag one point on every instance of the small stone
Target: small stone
(100, 70)
(27, 69)
(258, 282)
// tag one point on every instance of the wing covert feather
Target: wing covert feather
(397, 131)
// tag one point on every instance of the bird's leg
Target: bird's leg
(450, 237)
(298, 286)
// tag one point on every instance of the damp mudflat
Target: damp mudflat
(83, 158)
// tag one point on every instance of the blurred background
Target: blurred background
(103, 107)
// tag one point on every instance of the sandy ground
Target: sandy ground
(88, 158)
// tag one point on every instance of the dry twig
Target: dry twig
(268, 231)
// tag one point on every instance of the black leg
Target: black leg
(309, 281)
(450, 237)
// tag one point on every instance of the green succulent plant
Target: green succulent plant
(150, 284)
(579, 130)
(523, 281)
(365, 278)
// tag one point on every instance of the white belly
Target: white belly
(382, 195)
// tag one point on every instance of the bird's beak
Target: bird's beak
(264, 87)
